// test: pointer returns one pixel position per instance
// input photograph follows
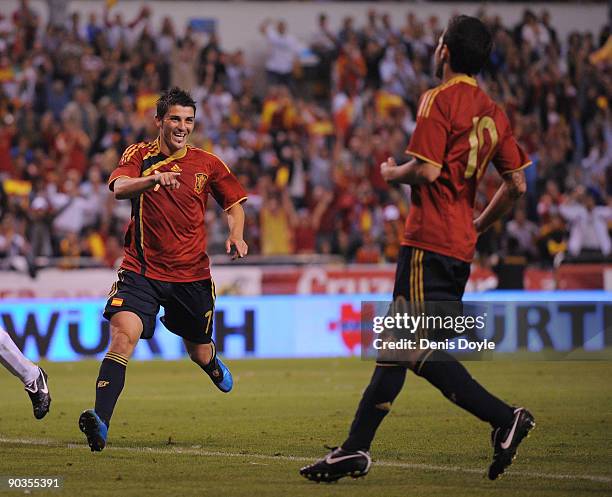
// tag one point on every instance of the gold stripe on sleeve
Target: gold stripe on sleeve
(237, 202)
(524, 166)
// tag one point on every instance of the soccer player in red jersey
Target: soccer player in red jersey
(165, 263)
(459, 130)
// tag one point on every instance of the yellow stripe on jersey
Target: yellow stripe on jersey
(141, 200)
(430, 102)
(153, 149)
(412, 274)
(175, 156)
(130, 151)
(126, 152)
(451, 82)
(423, 104)
(421, 292)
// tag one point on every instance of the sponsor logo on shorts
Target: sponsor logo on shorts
(102, 383)
(117, 302)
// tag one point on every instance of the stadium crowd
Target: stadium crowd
(306, 143)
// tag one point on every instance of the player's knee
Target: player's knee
(126, 328)
(122, 343)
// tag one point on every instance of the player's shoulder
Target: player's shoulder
(458, 84)
(201, 154)
(197, 151)
(141, 149)
(444, 94)
(130, 152)
(209, 157)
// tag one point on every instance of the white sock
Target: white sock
(13, 360)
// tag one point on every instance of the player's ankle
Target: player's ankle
(210, 365)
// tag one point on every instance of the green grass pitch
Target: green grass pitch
(173, 433)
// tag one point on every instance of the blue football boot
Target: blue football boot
(94, 428)
(220, 375)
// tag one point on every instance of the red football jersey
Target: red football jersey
(166, 238)
(460, 130)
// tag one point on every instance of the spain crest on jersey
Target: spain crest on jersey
(200, 181)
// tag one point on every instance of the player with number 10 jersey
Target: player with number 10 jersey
(459, 130)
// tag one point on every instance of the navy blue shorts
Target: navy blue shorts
(189, 308)
(430, 284)
(424, 276)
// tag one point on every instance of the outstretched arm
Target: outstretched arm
(125, 187)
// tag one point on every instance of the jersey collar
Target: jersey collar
(463, 78)
(179, 154)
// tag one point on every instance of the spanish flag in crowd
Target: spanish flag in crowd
(386, 102)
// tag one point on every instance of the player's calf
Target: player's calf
(205, 356)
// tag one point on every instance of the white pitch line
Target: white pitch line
(194, 451)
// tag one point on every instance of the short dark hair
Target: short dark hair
(174, 96)
(469, 42)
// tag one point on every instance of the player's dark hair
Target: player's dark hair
(174, 96)
(469, 42)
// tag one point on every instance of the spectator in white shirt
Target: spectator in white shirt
(96, 192)
(14, 249)
(397, 73)
(588, 224)
(524, 231)
(237, 72)
(71, 211)
(283, 51)
(535, 33)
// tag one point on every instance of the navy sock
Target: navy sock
(384, 387)
(449, 376)
(212, 368)
(109, 385)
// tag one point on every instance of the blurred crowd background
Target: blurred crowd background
(305, 139)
